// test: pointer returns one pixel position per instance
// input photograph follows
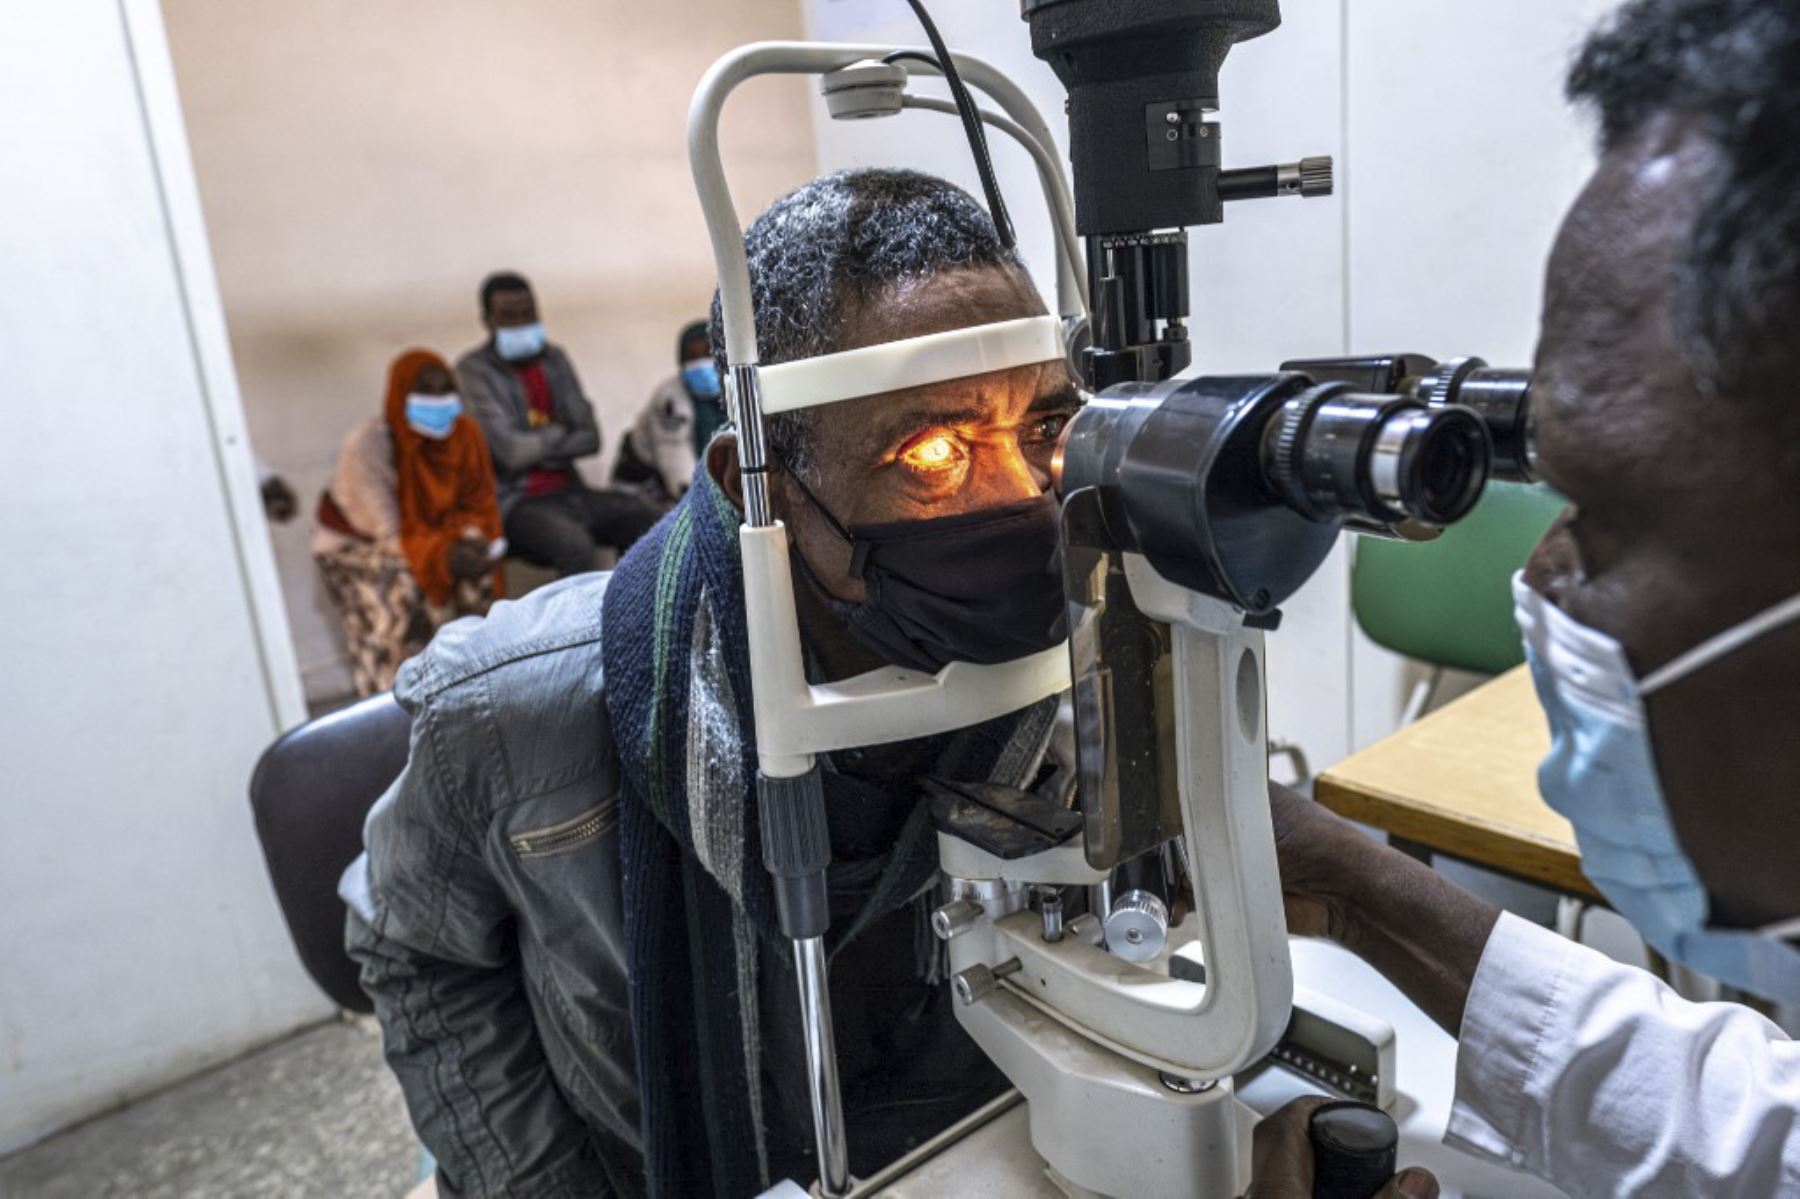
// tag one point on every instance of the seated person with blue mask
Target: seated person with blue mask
(523, 391)
(671, 433)
(1661, 617)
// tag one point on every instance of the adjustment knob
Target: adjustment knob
(1355, 1147)
(1308, 178)
(1441, 385)
(1137, 928)
(1317, 177)
(954, 918)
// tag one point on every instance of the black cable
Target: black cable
(914, 56)
(971, 121)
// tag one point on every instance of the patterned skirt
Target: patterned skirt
(387, 619)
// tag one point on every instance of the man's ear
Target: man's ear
(722, 465)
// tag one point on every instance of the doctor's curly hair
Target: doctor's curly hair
(1734, 67)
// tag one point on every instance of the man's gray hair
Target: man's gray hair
(824, 250)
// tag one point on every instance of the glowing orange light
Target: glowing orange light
(932, 453)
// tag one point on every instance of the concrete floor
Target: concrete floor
(317, 1114)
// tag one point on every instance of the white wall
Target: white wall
(1456, 158)
(364, 165)
(144, 658)
(1462, 165)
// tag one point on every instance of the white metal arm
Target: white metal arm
(811, 58)
(1187, 1030)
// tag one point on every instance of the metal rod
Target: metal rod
(972, 1123)
(821, 1067)
(746, 395)
(1050, 905)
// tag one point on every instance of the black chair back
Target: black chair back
(311, 792)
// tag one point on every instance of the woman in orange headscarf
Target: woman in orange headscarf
(408, 533)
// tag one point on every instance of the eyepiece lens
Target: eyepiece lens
(1502, 399)
(1450, 466)
(1334, 455)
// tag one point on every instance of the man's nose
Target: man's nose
(1023, 477)
(1554, 562)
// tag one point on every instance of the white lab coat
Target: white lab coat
(1602, 1080)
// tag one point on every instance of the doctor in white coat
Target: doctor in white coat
(1661, 618)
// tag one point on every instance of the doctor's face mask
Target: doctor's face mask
(1601, 775)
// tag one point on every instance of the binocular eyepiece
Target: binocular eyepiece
(1500, 398)
(1373, 460)
(1237, 486)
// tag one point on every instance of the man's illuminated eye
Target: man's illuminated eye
(934, 453)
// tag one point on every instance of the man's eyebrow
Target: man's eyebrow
(925, 417)
(958, 411)
(1063, 395)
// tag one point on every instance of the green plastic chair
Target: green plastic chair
(1449, 602)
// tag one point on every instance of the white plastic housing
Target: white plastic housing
(910, 362)
(796, 719)
(1186, 1029)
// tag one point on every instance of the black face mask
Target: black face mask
(982, 586)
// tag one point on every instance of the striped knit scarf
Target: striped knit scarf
(698, 905)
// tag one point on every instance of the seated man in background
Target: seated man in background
(658, 456)
(524, 392)
(555, 752)
(408, 533)
(1661, 617)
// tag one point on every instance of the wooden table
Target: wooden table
(1463, 781)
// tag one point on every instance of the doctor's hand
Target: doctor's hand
(1423, 932)
(1281, 1162)
(1322, 857)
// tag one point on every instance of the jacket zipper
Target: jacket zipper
(570, 834)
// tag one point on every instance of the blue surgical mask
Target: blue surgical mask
(515, 342)
(701, 376)
(433, 416)
(1601, 775)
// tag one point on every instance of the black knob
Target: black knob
(1354, 1149)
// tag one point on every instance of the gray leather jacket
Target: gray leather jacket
(485, 910)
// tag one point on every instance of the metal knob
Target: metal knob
(957, 916)
(1308, 178)
(1316, 176)
(978, 981)
(1137, 928)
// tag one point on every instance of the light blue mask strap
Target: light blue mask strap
(1781, 930)
(1714, 648)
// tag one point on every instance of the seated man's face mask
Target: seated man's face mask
(982, 586)
(517, 342)
(1601, 775)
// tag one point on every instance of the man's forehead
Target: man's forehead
(1617, 398)
(1634, 213)
(938, 303)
